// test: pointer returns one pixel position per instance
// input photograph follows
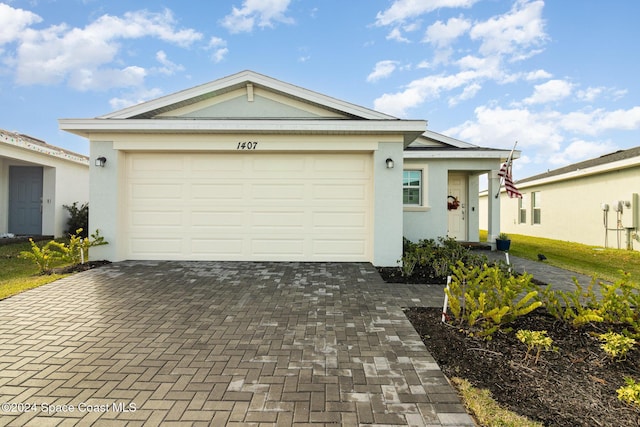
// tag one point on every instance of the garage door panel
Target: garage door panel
(293, 248)
(356, 221)
(217, 192)
(156, 191)
(214, 220)
(349, 248)
(339, 192)
(229, 248)
(341, 168)
(151, 247)
(278, 191)
(146, 219)
(249, 206)
(148, 167)
(278, 220)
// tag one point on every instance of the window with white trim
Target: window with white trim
(523, 202)
(536, 207)
(412, 187)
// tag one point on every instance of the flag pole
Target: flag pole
(508, 163)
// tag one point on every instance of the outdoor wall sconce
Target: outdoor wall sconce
(389, 163)
(100, 161)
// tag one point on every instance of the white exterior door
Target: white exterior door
(248, 206)
(457, 221)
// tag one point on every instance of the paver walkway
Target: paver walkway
(559, 278)
(214, 343)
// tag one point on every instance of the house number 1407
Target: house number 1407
(247, 146)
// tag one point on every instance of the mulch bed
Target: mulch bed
(572, 386)
(79, 267)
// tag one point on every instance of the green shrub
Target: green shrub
(44, 256)
(630, 393)
(534, 340)
(78, 219)
(599, 302)
(483, 299)
(431, 260)
(72, 253)
(616, 345)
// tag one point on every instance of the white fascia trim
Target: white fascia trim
(239, 79)
(459, 154)
(447, 140)
(580, 173)
(411, 128)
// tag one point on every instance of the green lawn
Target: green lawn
(589, 260)
(17, 274)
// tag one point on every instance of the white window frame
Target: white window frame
(419, 186)
(522, 209)
(536, 208)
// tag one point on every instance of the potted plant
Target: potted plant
(503, 243)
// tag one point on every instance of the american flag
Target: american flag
(505, 172)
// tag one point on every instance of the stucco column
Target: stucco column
(493, 208)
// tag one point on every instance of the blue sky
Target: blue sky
(559, 77)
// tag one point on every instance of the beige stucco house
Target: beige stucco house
(37, 179)
(594, 202)
(248, 167)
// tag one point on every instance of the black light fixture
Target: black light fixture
(389, 163)
(100, 161)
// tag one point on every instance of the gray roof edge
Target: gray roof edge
(585, 164)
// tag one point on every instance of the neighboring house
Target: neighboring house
(594, 202)
(251, 168)
(37, 180)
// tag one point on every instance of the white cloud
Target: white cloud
(598, 121)
(500, 128)
(553, 90)
(219, 47)
(168, 67)
(520, 28)
(134, 98)
(538, 75)
(546, 135)
(442, 35)
(431, 87)
(421, 90)
(468, 93)
(402, 10)
(579, 150)
(81, 55)
(85, 79)
(14, 21)
(256, 12)
(396, 34)
(383, 69)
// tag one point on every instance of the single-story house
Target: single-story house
(38, 179)
(248, 167)
(594, 202)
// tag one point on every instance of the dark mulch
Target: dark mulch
(79, 267)
(573, 386)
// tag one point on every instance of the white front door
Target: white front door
(457, 205)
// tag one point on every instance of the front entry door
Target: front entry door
(457, 206)
(25, 200)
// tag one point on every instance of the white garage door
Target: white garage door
(249, 206)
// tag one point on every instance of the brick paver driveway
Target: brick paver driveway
(214, 343)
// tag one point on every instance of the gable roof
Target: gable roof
(608, 162)
(433, 145)
(301, 111)
(240, 80)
